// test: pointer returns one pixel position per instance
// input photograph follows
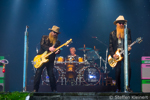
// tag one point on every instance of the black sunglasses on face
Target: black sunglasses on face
(55, 32)
(121, 22)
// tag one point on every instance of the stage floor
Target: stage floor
(90, 96)
(65, 88)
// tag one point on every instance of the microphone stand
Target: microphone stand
(104, 61)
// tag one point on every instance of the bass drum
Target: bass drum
(91, 76)
(45, 77)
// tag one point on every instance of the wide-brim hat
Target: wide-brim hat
(55, 29)
(120, 18)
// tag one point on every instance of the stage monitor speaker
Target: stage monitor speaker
(145, 85)
(2, 75)
(145, 59)
(145, 71)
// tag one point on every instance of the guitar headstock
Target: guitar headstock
(68, 42)
(139, 39)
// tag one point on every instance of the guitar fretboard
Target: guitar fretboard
(128, 46)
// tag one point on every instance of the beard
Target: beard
(52, 38)
(120, 31)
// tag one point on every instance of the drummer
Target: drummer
(73, 55)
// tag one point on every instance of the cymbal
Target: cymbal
(92, 55)
(94, 50)
(85, 49)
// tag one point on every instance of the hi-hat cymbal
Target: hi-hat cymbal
(84, 49)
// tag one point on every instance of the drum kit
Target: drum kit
(76, 71)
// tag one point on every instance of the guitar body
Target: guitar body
(113, 62)
(40, 59)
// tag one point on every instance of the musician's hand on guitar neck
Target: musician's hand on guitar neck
(52, 49)
(115, 56)
(129, 48)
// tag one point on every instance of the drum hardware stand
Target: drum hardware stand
(105, 61)
(62, 76)
(80, 76)
(84, 49)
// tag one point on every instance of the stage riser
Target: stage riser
(71, 98)
(90, 96)
(76, 88)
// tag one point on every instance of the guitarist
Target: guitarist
(48, 43)
(116, 41)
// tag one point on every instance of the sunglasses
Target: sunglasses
(121, 22)
(55, 32)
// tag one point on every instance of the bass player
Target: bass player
(48, 43)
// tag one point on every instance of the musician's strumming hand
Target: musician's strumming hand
(52, 49)
(129, 48)
(115, 56)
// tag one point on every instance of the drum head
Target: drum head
(92, 75)
(45, 77)
(59, 61)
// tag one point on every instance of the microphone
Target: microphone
(94, 37)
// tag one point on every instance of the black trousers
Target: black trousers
(37, 77)
(118, 73)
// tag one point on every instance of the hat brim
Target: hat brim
(115, 22)
(53, 30)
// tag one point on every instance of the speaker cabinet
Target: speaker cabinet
(145, 73)
(145, 85)
(2, 75)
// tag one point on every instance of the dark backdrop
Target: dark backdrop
(77, 19)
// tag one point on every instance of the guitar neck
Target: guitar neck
(128, 46)
(54, 50)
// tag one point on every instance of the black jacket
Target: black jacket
(113, 41)
(45, 44)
